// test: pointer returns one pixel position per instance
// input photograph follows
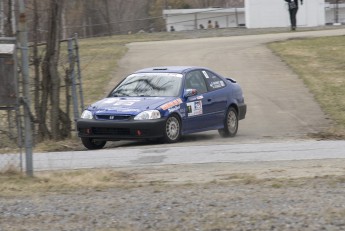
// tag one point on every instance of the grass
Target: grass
(13, 183)
(320, 63)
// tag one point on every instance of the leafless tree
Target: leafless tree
(9, 19)
(50, 74)
(37, 80)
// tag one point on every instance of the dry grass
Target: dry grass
(320, 63)
(13, 183)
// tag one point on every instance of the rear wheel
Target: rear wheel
(172, 131)
(230, 123)
(93, 144)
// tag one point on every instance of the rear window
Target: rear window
(213, 81)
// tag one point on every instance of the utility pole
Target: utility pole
(23, 41)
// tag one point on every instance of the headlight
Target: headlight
(148, 115)
(86, 115)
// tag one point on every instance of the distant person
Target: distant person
(216, 25)
(172, 28)
(209, 25)
(201, 27)
(293, 8)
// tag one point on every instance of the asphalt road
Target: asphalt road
(144, 156)
(281, 111)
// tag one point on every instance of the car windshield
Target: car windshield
(149, 84)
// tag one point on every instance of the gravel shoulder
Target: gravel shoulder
(283, 195)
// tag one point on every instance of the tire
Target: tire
(93, 144)
(230, 123)
(172, 131)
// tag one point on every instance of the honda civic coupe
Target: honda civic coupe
(164, 103)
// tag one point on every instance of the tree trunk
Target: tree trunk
(9, 19)
(43, 131)
(51, 79)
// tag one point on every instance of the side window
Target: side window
(195, 80)
(213, 81)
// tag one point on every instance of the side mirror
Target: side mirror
(190, 92)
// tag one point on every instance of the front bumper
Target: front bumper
(121, 130)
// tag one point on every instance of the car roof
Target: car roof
(168, 69)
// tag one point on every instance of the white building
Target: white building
(191, 19)
(255, 14)
(331, 13)
(274, 13)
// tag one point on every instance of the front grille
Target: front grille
(113, 117)
(111, 131)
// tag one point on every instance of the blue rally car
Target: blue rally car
(164, 103)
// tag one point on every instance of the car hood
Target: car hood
(128, 105)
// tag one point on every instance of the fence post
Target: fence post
(71, 61)
(26, 87)
(77, 59)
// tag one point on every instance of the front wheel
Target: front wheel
(172, 131)
(230, 123)
(93, 144)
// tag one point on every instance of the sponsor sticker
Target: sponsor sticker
(125, 102)
(174, 108)
(205, 74)
(128, 110)
(217, 84)
(171, 104)
(199, 97)
(110, 100)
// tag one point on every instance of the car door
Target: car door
(216, 98)
(196, 105)
(203, 109)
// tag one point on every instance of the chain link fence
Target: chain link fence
(10, 141)
(10, 124)
(12, 129)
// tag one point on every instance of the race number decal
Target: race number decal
(194, 108)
